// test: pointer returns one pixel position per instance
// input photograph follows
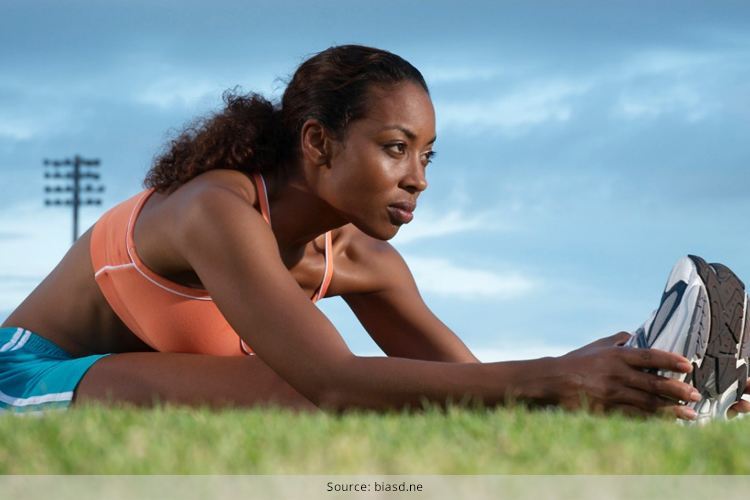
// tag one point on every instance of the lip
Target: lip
(402, 212)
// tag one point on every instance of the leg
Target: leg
(146, 378)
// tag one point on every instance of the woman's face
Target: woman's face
(378, 170)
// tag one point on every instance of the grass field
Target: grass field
(96, 440)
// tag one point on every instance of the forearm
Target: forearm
(381, 383)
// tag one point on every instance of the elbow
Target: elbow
(332, 401)
(333, 392)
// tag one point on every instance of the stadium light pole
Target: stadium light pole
(70, 171)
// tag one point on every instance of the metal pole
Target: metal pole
(76, 195)
(76, 173)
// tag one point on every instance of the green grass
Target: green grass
(96, 440)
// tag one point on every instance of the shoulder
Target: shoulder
(214, 186)
(214, 198)
(359, 247)
(364, 264)
(219, 204)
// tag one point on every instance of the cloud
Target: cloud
(23, 279)
(33, 105)
(655, 83)
(665, 62)
(456, 74)
(521, 350)
(690, 84)
(443, 277)
(39, 239)
(515, 352)
(16, 130)
(683, 100)
(430, 224)
(15, 288)
(30, 110)
(648, 84)
(12, 235)
(166, 85)
(515, 112)
(189, 90)
(173, 92)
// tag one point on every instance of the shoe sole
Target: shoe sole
(720, 371)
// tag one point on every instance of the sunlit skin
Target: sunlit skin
(380, 162)
(363, 186)
(390, 152)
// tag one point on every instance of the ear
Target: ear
(316, 144)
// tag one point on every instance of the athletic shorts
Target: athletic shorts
(35, 374)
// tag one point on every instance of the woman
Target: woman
(251, 214)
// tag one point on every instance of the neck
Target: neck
(298, 216)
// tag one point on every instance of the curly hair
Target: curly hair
(253, 134)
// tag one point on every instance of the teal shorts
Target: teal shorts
(35, 374)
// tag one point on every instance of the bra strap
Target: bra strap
(260, 187)
(265, 210)
(328, 273)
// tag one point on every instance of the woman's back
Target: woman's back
(68, 307)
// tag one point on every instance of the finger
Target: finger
(656, 358)
(662, 386)
(613, 340)
(666, 412)
(618, 338)
(679, 411)
(621, 338)
(651, 403)
(741, 406)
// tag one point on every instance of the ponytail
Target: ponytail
(251, 134)
(245, 136)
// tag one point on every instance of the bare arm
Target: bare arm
(391, 309)
(236, 257)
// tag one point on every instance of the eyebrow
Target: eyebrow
(408, 133)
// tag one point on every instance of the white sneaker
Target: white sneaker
(703, 316)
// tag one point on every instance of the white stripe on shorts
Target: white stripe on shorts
(35, 400)
(21, 342)
(12, 340)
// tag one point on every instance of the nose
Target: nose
(415, 181)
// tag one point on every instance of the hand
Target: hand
(618, 339)
(607, 376)
(742, 406)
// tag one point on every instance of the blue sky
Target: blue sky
(583, 146)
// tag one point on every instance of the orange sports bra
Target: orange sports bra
(167, 316)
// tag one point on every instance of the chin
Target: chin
(391, 232)
(384, 232)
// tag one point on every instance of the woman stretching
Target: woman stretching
(201, 289)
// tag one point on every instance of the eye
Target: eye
(428, 157)
(398, 147)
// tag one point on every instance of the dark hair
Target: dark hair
(252, 134)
